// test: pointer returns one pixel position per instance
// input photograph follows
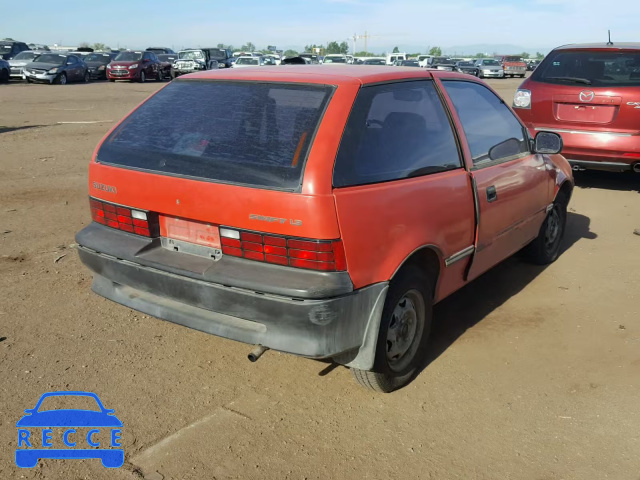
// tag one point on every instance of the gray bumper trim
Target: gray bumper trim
(324, 328)
(606, 166)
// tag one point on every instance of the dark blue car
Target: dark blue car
(68, 418)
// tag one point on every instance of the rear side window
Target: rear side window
(492, 130)
(583, 67)
(395, 131)
(255, 134)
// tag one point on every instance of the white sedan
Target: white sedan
(247, 61)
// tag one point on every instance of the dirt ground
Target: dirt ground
(534, 372)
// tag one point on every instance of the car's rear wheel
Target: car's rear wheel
(545, 248)
(87, 77)
(160, 76)
(143, 77)
(62, 79)
(404, 330)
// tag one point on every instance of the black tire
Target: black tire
(4, 76)
(408, 311)
(159, 76)
(143, 77)
(29, 80)
(61, 79)
(112, 80)
(87, 76)
(545, 248)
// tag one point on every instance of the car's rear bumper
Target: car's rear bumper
(604, 166)
(596, 149)
(311, 327)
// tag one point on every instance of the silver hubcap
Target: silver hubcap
(553, 229)
(405, 328)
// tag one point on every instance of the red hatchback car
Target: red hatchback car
(138, 66)
(589, 94)
(319, 210)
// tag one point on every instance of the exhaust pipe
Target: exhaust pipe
(636, 167)
(256, 353)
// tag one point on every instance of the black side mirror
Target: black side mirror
(505, 149)
(547, 143)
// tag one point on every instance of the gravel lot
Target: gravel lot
(534, 372)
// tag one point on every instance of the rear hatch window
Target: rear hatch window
(246, 133)
(595, 68)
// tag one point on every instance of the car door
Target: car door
(72, 68)
(513, 186)
(399, 183)
(147, 66)
(155, 64)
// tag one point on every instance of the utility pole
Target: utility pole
(355, 39)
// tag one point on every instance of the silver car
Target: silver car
(489, 68)
(18, 62)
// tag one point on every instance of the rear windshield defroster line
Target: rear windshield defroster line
(246, 133)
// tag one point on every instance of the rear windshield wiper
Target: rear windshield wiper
(585, 81)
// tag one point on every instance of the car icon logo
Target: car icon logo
(586, 96)
(84, 434)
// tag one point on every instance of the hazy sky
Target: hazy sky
(295, 23)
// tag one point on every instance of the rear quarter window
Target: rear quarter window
(254, 134)
(395, 131)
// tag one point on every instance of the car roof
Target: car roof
(602, 45)
(322, 74)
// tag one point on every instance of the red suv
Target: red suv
(136, 66)
(319, 211)
(589, 94)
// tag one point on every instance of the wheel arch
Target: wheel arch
(566, 188)
(428, 258)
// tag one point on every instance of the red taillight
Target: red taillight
(323, 255)
(124, 218)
